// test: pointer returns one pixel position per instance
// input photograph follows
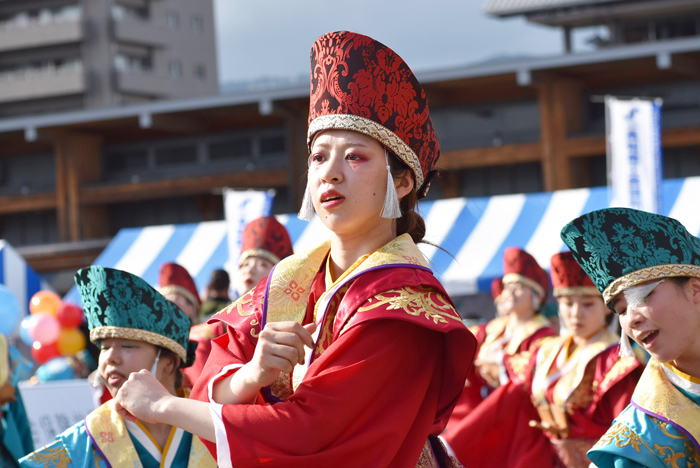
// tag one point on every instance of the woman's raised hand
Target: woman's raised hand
(280, 347)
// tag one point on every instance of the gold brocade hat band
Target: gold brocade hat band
(576, 291)
(648, 274)
(372, 129)
(269, 256)
(518, 278)
(155, 339)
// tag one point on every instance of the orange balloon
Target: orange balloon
(45, 302)
(70, 341)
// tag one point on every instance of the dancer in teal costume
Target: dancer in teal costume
(647, 267)
(136, 328)
(15, 433)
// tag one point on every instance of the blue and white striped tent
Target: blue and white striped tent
(474, 231)
(18, 277)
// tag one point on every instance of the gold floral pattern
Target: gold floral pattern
(415, 301)
(51, 456)
(656, 394)
(622, 436)
(242, 306)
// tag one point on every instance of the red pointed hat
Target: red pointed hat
(265, 237)
(174, 278)
(569, 279)
(496, 288)
(360, 84)
(521, 267)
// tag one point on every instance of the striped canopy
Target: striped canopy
(474, 232)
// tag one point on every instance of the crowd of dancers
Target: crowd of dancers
(352, 353)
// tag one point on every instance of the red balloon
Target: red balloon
(42, 353)
(69, 315)
(44, 302)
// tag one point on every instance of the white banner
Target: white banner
(53, 407)
(240, 208)
(634, 153)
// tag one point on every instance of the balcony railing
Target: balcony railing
(35, 83)
(28, 33)
(144, 83)
(144, 32)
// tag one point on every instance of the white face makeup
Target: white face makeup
(636, 295)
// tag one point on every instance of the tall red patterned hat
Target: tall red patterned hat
(568, 278)
(174, 278)
(265, 237)
(360, 84)
(496, 288)
(521, 267)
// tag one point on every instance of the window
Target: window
(200, 72)
(230, 149)
(271, 145)
(196, 24)
(175, 68)
(173, 20)
(176, 155)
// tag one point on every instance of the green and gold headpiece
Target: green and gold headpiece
(621, 247)
(118, 304)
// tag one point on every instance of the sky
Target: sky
(272, 38)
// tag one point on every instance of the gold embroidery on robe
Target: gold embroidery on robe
(657, 394)
(290, 287)
(242, 306)
(622, 436)
(54, 457)
(427, 458)
(415, 302)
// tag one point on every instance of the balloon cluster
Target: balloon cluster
(51, 329)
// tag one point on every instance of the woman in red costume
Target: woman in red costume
(351, 353)
(507, 343)
(580, 382)
(264, 242)
(577, 383)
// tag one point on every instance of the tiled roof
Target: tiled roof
(514, 7)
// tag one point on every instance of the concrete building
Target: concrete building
(61, 55)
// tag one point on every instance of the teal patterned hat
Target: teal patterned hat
(118, 304)
(621, 247)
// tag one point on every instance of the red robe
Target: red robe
(389, 364)
(202, 333)
(594, 393)
(515, 359)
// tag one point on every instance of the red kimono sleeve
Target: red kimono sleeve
(345, 412)
(496, 433)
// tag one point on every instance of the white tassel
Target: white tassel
(625, 346)
(391, 208)
(306, 213)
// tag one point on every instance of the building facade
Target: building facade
(61, 55)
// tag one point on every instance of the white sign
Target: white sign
(53, 407)
(634, 153)
(240, 208)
